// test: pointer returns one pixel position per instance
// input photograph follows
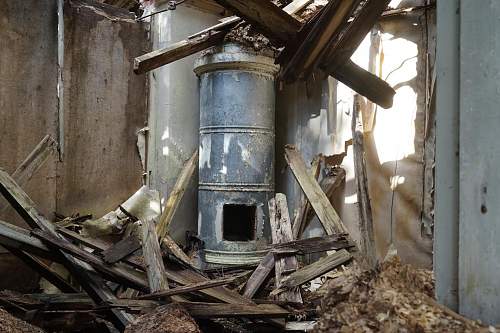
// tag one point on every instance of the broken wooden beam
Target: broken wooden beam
(218, 310)
(259, 275)
(175, 250)
(117, 273)
(367, 241)
(188, 288)
(91, 283)
(316, 269)
(300, 220)
(365, 83)
(121, 249)
(265, 267)
(324, 30)
(281, 232)
(317, 244)
(153, 259)
(265, 17)
(329, 184)
(44, 270)
(345, 46)
(176, 195)
(324, 210)
(176, 51)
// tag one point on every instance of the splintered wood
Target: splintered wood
(322, 206)
(281, 232)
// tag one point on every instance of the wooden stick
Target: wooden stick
(281, 232)
(153, 259)
(326, 213)
(188, 288)
(176, 195)
(367, 243)
(259, 275)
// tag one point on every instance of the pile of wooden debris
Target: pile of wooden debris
(123, 271)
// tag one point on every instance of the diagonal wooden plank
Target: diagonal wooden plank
(92, 284)
(316, 269)
(326, 213)
(176, 195)
(176, 51)
(188, 288)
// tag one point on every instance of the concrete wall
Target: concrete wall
(28, 109)
(394, 141)
(104, 107)
(467, 210)
(174, 112)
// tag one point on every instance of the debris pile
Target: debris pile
(392, 298)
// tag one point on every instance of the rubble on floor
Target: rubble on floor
(11, 324)
(393, 298)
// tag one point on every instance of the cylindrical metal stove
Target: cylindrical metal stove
(236, 163)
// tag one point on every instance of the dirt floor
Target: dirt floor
(393, 298)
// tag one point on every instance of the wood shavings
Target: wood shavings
(393, 298)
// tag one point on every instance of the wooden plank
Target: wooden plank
(316, 269)
(281, 231)
(322, 206)
(121, 249)
(117, 273)
(44, 270)
(19, 238)
(33, 162)
(265, 17)
(324, 30)
(299, 222)
(364, 83)
(153, 259)
(176, 51)
(367, 241)
(329, 184)
(217, 310)
(351, 38)
(266, 265)
(176, 195)
(188, 288)
(317, 244)
(259, 275)
(175, 249)
(91, 283)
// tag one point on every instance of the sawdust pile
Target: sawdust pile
(394, 298)
(171, 318)
(11, 324)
